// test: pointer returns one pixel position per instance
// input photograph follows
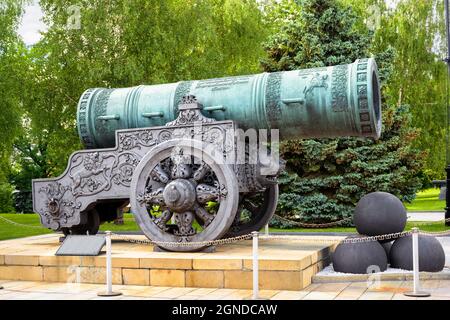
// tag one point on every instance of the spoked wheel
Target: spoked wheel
(183, 193)
(91, 227)
(254, 211)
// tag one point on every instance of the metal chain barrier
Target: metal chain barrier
(182, 244)
(435, 234)
(390, 236)
(367, 239)
(20, 224)
(430, 223)
(313, 225)
(299, 238)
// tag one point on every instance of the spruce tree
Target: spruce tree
(324, 178)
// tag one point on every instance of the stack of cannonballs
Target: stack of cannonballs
(381, 213)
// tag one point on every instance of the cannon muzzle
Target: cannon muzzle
(325, 102)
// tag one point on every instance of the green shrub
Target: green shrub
(6, 199)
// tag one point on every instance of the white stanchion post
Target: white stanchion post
(416, 275)
(415, 248)
(109, 292)
(255, 235)
(267, 230)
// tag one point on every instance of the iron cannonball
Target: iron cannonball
(379, 213)
(431, 254)
(387, 248)
(359, 258)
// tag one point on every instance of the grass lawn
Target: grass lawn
(10, 231)
(427, 200)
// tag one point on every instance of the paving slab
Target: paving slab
(426, 215)
(390, 290)
(289, 295)
(353, 291)
(374, 295)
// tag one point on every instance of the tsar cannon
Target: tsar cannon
(172, 151)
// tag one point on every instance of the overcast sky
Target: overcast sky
(31, 22)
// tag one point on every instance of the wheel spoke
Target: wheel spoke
(163, 219)
(204, 216)
(207, 193)
(160, 175)
(153, 197)
(181, 164)
(251, 206)
(201, 172)
(184, 222)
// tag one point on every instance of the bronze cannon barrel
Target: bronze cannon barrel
(335, 101)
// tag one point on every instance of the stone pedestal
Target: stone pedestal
(283, 265)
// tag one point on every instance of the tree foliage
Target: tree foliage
(125, 43)
(30, 162)
(11, 75)
(416, 30)
(322, 33)
(326, 177)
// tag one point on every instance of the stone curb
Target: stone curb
(383, 277)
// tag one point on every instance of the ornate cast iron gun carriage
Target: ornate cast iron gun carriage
(171, 150)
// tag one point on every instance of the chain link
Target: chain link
(182, 244)
(20, 224)
(307, 239)
(390, 236)
(313, 225)
(435, 234)
(430, 223)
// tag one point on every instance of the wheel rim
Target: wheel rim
(169, 177)
(260, 208)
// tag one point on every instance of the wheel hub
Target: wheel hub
(179, 195)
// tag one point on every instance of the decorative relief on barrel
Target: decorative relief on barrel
(82, 120)
(189, 113)
(305, 73)
(273, 95)
(222, 83)
(339, 79)
(362, 66)
(362, 77)
(317, 81)
(362, 90)
(183, 89)
(100, 110)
